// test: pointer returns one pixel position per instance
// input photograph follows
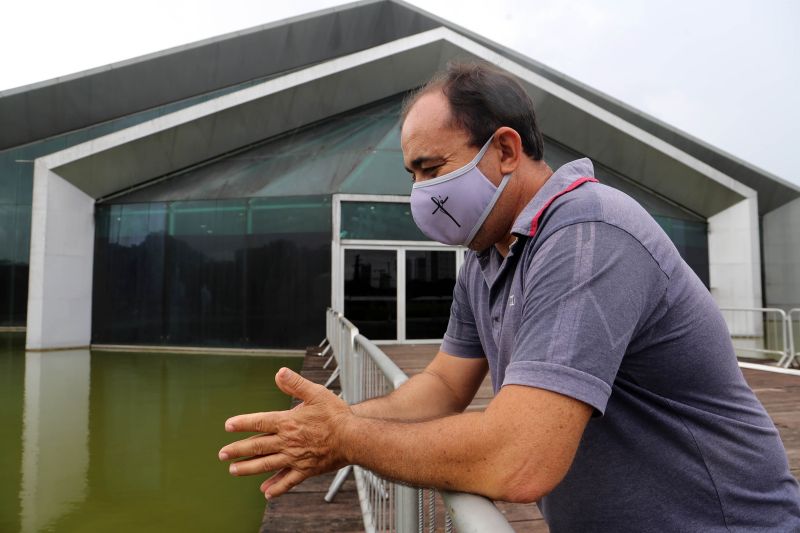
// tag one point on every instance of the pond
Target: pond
(109, 441)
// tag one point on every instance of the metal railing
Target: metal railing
(762, 332)
(793, 323)
(366, 372)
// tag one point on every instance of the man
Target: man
(619, 404)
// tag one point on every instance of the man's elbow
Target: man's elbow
(528, 485)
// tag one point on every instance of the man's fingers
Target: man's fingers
(259, 465)
(251, 447)
(284, 484)
(274, 479)
(256, 422)
(295, 385)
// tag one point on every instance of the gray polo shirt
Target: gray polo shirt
(594, 302)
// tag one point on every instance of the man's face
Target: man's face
(432, 146)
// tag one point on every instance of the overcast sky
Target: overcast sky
(726, 71)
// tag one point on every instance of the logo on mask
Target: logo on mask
(439, 202)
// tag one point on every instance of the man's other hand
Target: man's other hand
(295, 444)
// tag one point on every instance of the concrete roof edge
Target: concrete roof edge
(184, 47)
(86, 149)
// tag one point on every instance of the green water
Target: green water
(118, 442)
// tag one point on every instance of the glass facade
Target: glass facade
(16, 189)
(238, 272)
(236, 252)
(14, 245)
(691, 239)
(379, 221)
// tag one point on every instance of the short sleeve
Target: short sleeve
(461, 338)
(587, 289)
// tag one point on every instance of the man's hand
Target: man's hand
(517, 450)
(296, 444)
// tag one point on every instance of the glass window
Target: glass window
(691, 240)
(288, 278)
(14, 249)
(225, 273)
(379, 220)
(129, 259)
(290, 215)
(356, 152)
(370, 292)
(205, 254)
(430, 278)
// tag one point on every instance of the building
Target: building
(224, 193)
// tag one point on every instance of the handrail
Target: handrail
(754, 324)
(473, 514)
(392, 372)
(366, 372)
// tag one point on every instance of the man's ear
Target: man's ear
(510, 144)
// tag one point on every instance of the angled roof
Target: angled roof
(45, 109)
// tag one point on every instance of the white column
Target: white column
(61, 261)
(734, 257)
(55, 436)
(782, 255)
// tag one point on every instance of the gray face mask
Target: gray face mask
(452, 208)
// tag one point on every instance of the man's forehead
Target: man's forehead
(430, 113)
(427, 128)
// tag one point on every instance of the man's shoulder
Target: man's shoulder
(599, 203)
(595, 202)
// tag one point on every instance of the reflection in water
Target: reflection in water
(55, 456)
(107, 441)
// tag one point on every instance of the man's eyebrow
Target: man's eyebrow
(417, 163)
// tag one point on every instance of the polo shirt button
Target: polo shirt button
(496, 318)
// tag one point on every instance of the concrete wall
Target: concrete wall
(782, 255)
(735, 263)
(61, 261)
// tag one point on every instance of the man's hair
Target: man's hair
(483, 99)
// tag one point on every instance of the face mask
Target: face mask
(451, 208)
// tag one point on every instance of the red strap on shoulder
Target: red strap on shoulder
(574, 185)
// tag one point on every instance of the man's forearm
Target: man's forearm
(519, 449)
(445, 387)
(422, 397)
(456, 452)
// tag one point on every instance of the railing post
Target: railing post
(794, 343)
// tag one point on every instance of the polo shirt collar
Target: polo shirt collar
(562, 181)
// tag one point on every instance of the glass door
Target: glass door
(429, 280)
(399, 292)
(370, 292)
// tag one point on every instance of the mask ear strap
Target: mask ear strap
(488, 209)
(482, 151)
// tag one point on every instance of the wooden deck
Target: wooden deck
(303, 509)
